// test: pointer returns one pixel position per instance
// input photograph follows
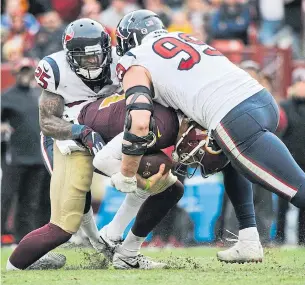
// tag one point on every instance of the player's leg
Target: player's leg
(245, 135)
(113, 232)
(248, 247)
(70, 182)
(240, 192)
(46, 146)
(88, 223)
(153, 210)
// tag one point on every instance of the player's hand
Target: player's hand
(124, 184)
(157, 178)
(92, 140)
(164, 183)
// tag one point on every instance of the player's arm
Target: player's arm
(137, 136)
(51, 107)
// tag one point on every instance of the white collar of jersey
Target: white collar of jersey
(154, 34)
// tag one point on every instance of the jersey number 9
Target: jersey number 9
(169, 47)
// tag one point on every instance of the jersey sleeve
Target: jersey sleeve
(126, 61)
(47, 74)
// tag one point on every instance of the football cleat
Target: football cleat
(248, 248)
(108, 243)
(99, 245)
(51, 260)
(139, 261)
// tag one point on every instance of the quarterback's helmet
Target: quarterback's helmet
(134, 26)
(88, 49)
(195, 148)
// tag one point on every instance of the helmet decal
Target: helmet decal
(130, 20)
(149, 23)
(69, 35)
(120, 34)
(144, 31)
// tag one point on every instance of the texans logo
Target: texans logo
(69, 35)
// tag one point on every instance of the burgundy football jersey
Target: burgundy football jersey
(107, 116)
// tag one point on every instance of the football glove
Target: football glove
(124, 184)
(88, 137)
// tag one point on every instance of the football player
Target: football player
(81, 73)
(191, 140)
(150, 205)
(180, 71)
(106, 116)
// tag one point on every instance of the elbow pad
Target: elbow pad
(138, 145)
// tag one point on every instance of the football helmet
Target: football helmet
(134, 26)
(88, 49)
(195, 148)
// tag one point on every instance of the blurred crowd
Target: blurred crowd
(32, 29)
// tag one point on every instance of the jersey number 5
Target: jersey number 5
(169, 47)
(41, 75)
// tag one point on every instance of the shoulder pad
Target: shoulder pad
(115, 57)
(47, 74)
(126, 61)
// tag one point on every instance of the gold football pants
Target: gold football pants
(71, 180)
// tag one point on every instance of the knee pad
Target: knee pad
(72, 211)
(70, 182)
(81, 170)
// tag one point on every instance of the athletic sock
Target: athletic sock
(126, 213)
(36, 244)
(88, 225)
(131, 245)
(239, 190)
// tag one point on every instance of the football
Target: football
(150, 164)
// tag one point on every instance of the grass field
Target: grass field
(189, 267)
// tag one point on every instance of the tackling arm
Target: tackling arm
(137, 125)
(51, 107)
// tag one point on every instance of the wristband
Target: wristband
(147, 185)
(77, 131)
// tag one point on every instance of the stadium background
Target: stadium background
(263, 36)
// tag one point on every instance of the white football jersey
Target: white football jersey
(191, 76)
(55, 75)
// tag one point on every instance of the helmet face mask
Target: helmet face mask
(124, 45)
(89, 61)
(189, 149)
(196, 149)
(88, 49)
(88, 65)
